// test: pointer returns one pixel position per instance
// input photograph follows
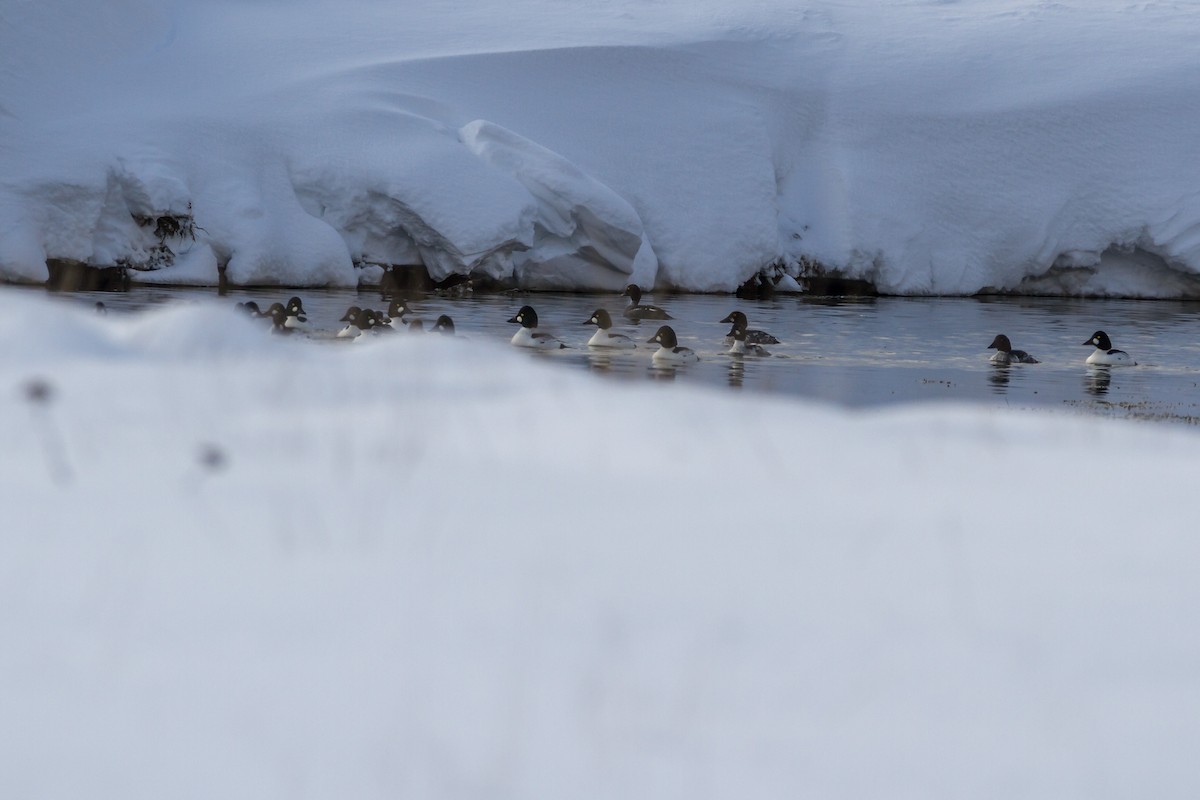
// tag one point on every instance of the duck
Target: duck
(635, 309)
(351, 318)
(1006, 355)
(528, 335)
(1105, 354)
(752, 336)
(444, 325)
(415, 326)
(279, 317)
(742, 346)
(295, 313)
(669, 351)
(604, 337)
(396, 312)
(359, 321)
(250, 308)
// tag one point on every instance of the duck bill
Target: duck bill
(728, 318)
(514, 319)
(1088, 342)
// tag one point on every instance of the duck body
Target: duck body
(295, 314)
(279, 316)
(604, 337)
(360, 321)
(529, 336)
(752, 336)
(1105, 354)
(635, 309)
(396, 313)
(1006, 355)
(742, 346)
(669, 351)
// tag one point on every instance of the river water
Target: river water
(854, 352)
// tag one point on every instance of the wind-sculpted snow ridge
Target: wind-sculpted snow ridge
(923, 148)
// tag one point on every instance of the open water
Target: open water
(854, 352)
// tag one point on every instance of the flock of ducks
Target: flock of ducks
(742, 340)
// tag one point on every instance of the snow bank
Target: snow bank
(927, 147)
(234, 565)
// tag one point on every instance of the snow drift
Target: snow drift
(238, 566)
(927, 147)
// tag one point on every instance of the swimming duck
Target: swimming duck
(528, 335)
(604, 337)
(250, 308)
(740, 321)
(669, 351)
(396, 312)
(1105, 354)
(295, 313)
(635, 309)
(444, 325)
(742, 346)
(279, 317)
(1006, 355)
(359, 321)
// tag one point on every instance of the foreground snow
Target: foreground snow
(234, 566)
(928, 147)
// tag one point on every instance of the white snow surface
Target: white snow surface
(234, 565)
(929, 147)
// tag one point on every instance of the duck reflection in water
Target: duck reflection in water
(1097, 380)
(737, 372)
(599, 361)
(663, 370)
(998, 377)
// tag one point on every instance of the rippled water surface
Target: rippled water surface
(852, 352)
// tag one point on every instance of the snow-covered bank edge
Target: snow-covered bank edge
(926, 149)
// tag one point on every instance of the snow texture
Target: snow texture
(925, 146)
(235, 565)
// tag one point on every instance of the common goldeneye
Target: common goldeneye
(742, 346)
(250, 308)
(1105, 354)
(295, 313)
(1006, 355)
(397, 310)
(635, 309)
(669, 350)
(528, 335)
(279, 318)
(751, 336)
(604, 337)
(444, 325)
(359, 321)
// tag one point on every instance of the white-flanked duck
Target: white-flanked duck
(396, 313)
(359, 321)
(1105, 354)
(279, 317)
(295, 313)
(752, 336)
(669, 351)
(1005, 353)
(604, 337)
(444, 326)
(529, 336)
(742, 346)
(635, 309)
